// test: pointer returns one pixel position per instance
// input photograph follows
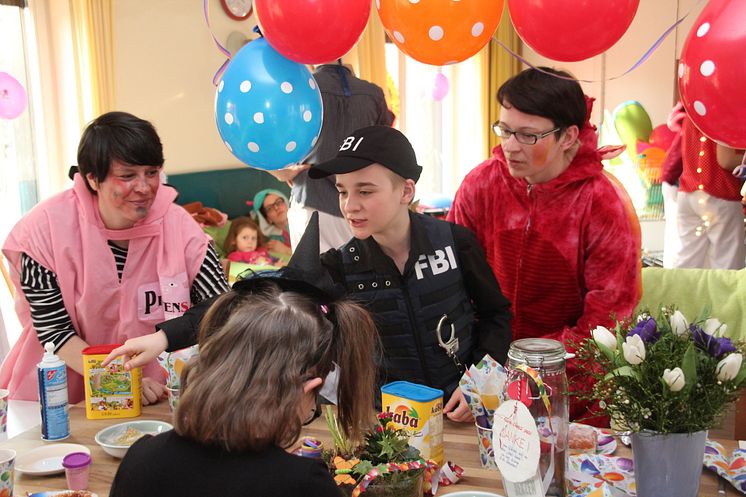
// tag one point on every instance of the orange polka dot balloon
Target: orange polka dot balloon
(440, 32)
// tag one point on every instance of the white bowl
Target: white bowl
(107, 438)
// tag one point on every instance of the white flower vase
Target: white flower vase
(668, 463)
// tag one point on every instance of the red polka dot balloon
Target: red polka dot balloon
(440, 32)
(712, 72)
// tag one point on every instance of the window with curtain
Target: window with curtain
(447, 134)
(19, 186)
(18, 189)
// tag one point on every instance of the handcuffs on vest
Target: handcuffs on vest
(450, 345)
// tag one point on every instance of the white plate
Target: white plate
(47, 459)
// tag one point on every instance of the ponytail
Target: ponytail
(356, 349)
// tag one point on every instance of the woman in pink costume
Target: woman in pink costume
(106, 260)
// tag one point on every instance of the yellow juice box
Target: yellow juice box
(419, 410)
(110, 392)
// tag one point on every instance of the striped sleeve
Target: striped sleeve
(48, 314)
(210, 281)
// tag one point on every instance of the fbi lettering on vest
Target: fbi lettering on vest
(440, 262)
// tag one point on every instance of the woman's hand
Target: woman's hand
(457, 409)
(152, 391)
(139, 351)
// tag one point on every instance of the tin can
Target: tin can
(111, 391)
(418, 409)
(52, 376)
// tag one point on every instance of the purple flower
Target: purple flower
(716, 347)
(647, 329)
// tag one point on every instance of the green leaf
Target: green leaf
(362, 467)
(619, 338)
(689, 367)
(623, 371)
(606, 351)
(387, 449)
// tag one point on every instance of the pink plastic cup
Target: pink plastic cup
(77, 466)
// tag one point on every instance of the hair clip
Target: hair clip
(324, 309)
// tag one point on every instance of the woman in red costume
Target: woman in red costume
(556, 230)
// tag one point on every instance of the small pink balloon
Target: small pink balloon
(12, 97)
(440, 87)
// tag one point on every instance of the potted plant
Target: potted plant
(667, 381)
(384, 465)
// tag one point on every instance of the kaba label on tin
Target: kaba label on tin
(516, 442)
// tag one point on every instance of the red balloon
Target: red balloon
(312, 31)
(712, 72)
(571, 30)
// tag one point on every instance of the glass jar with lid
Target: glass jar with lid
(533, 362)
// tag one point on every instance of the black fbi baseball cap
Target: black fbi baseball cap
(372, 145)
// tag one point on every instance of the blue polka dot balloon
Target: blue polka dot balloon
(268, 108)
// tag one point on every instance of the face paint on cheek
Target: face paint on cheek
(539, 155)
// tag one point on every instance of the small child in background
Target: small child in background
(245, 243)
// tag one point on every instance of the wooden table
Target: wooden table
(460, 447)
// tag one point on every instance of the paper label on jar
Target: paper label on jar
(516, 442)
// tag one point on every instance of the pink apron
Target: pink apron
(65, 234)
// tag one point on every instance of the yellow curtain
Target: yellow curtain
(92, 33)
(368, 57)
(500, 67)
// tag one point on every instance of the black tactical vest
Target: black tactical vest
(407, 309)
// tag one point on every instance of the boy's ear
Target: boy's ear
(408, 191)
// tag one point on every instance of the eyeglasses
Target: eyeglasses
(275, 206)
(520, 136)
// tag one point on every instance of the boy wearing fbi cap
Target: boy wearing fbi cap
(415, 273)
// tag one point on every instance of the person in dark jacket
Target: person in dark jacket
(420, 277)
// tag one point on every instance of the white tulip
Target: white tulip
(679, 324)
(711, 326)
(633, 349)
(728, 368)
(603, 336)
(674, 378)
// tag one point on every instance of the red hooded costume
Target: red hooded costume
(566, 252)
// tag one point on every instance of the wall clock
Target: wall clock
(237, 9)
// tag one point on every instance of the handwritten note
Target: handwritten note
(516, 442)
